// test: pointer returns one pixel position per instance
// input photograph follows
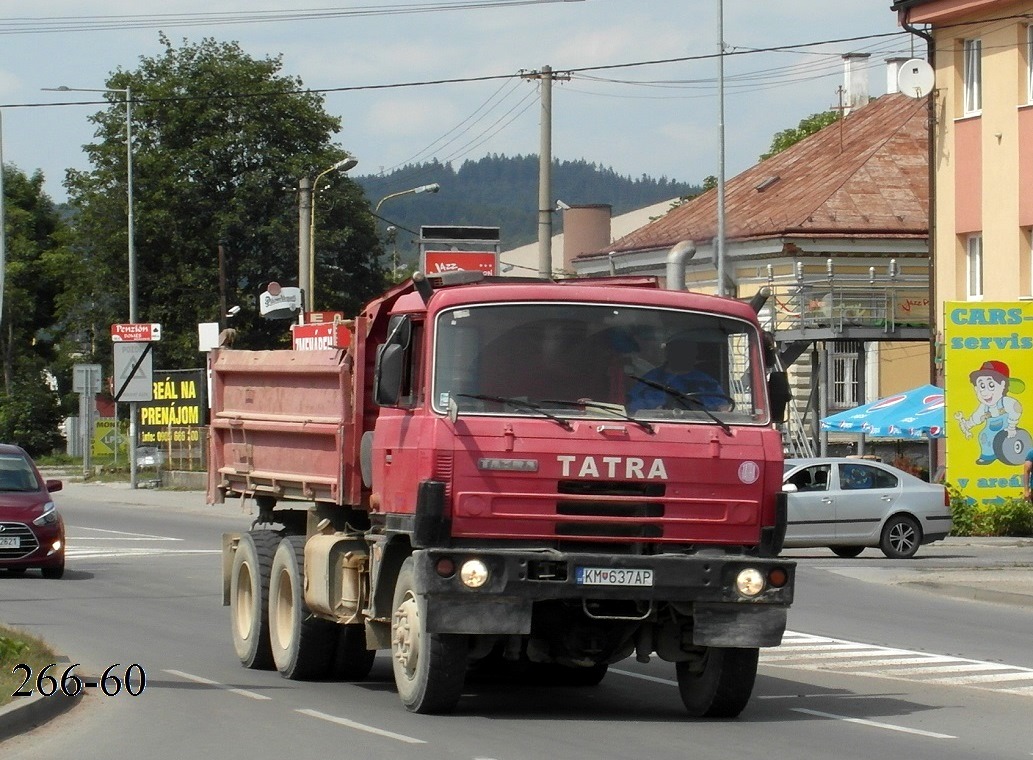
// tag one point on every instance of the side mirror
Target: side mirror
(387, 382)
(790, 488)
(780, 394)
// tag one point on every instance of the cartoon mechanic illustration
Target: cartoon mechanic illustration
(1000, 413)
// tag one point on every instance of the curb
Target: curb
(960, 591)
(26, 713)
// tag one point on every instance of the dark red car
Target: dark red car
(32, 533)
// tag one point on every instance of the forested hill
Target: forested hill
(501, 191)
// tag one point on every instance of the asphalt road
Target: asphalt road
(879, 662)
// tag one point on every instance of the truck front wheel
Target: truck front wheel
(249, 594)
(720, 683)
(302, 645)
(429, 668)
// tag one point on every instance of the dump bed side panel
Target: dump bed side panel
(280, 423)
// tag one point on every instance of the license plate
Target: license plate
(611, 576)
(10, 542)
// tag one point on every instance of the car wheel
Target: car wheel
(846, 551)
(901, 537)
(54, 571)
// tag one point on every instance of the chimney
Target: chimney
(585, 228)
(855, 81)
(892, 70)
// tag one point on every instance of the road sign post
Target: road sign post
(139, 335)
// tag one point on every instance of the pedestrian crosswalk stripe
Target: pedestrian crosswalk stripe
(807, 651)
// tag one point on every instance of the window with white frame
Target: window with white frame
(974, 261)
(973, 76)
(845, 374)
(1029, 63)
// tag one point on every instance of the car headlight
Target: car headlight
(749, 582)
(473, 573)
(49, 516)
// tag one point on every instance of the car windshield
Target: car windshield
(598, 361)
(16, 474)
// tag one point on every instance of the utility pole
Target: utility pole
(304, 242)
(545, 211)
(719, 238)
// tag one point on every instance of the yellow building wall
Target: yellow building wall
(1006, 245)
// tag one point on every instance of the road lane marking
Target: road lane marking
(216, 684)
(643, 677)
(360, 726)
(811, 652)
(79, 554)
(140, 536)
(873, 723)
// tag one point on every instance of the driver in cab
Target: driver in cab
(679, 372)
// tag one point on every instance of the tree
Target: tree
(805, 128)
(220, 140)
(35, 275)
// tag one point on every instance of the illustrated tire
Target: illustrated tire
(1012, 450)
(901, 537)
(429, 668)
(249, 597)
(718, 686)
(846, 551)
(302, 645)
(352, 661)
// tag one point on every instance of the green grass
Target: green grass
(18, 647)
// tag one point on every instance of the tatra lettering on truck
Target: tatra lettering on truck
(551, 476)
(630, 468)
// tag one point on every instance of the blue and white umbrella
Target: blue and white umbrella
(916, 414)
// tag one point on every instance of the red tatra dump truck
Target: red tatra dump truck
(529, 476)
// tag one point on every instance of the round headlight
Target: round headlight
(473, 573)
(749, 582)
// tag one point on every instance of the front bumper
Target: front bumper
(702, 585)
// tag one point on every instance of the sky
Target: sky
(642, 97)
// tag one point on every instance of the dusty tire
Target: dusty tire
(901, 537)
(352, 661)
(429, 668)
(720, 685)
(847, 552)
(249, 595)
(302, 646)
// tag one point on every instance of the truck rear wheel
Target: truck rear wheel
(429, 668)
(353, 661)
(249, 595)
(718, 685)
(302, 645)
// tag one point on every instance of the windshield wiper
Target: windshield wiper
(684, 397)
(519, 403)
(611, 408)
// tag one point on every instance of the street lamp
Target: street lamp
(129, 182)
(431, 188)
(343, 165)
(125, 91)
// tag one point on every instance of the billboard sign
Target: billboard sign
(437, 262)
(988, 373)
(320, 335)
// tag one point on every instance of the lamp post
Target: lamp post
(431, 188)
(131, 244)
(343, 165)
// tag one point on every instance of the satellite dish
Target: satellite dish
(915, 78)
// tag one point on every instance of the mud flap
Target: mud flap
(738, 625)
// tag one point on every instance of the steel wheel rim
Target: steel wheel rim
(245, 599)
(406, 638)
(283, 618)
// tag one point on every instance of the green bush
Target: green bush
(1012, 517)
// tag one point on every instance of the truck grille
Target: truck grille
(28, 543)
(615, 505)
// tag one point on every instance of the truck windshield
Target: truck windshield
(598, 361)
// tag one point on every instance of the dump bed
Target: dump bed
(282, 426)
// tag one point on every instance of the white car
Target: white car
(848, 504)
